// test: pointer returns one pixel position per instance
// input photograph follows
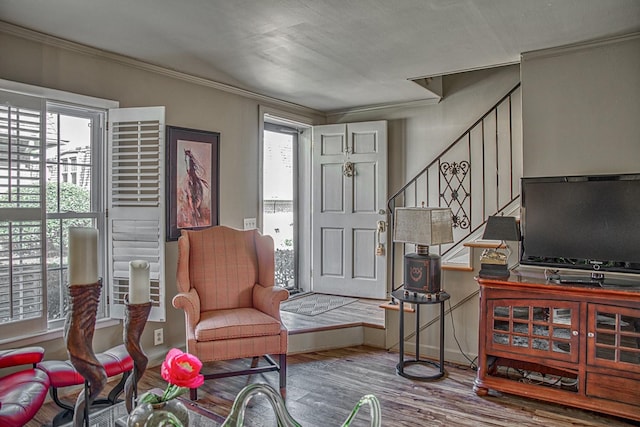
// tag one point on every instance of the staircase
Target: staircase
(476, 176)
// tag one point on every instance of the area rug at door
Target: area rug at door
(313, 304)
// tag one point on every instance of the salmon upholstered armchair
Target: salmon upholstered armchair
(226, 288)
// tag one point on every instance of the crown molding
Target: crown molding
(563, 50)
(379, 107)
(57, 42)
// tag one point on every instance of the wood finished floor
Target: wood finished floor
(324, 386)
(362, 312)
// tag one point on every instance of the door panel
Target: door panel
(364, 265)
(332, 245)
(364, 189)
(349, 205)
(332, 179)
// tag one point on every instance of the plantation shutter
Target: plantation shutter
(136, 202)
(22, 245)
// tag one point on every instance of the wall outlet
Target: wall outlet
(158, 336)
(250, 223)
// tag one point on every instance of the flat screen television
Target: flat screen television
(582, 222)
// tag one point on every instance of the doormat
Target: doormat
(313, 304)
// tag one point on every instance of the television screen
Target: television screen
(583, 222)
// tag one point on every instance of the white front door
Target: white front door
(349, 201)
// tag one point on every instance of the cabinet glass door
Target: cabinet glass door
(614, 337)
(542, 327)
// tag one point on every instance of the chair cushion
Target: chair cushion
(235, 323)
(62, 373)
(21, 356)
(22, 394)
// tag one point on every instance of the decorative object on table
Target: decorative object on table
(493, 261)
(182, 372)
(84, 293)
(192, 191)
(137, 311)
(423, 226)
(284, 418)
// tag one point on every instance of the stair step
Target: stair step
(408, 308)
(487, 244)
(456, 267)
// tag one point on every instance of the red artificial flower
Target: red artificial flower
(182, 369)
(182, 372)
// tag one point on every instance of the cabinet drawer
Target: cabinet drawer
(618, 389)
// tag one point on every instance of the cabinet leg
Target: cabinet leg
(480, 391)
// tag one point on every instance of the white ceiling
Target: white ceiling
(326, 54)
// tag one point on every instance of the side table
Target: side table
(419, 299)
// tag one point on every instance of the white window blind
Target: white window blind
(136, 203)
(22, 247)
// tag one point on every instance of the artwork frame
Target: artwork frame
(193, 168)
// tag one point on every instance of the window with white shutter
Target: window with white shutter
(135, 215)
(22, 247)
(50, 180)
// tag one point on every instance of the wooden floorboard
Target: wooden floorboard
(365, 312)
(324, 386)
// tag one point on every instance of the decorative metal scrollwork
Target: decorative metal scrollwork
(456, 191)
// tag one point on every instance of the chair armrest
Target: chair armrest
(21, 356)
(268, 298)
(190, 303)
(182, 276)
(266, 259)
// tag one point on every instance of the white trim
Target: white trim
(49, 335)
(380, 107)
(563, 50)
(57, 95)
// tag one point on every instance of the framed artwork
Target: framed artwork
(192, 189)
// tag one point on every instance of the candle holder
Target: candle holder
(78, 335)
(134, 321)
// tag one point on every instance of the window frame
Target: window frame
(42, 328)
(98, 189)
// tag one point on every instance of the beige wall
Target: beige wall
(563, 93)
(416, 136)
(581, 109)
(190, 105)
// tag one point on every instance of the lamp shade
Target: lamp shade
(423, 226)
(501, 228)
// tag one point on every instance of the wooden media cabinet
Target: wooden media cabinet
(571, 344)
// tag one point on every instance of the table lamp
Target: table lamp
(493, 262)
(423, 227)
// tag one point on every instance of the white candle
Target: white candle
(139, 282)
(83, 256)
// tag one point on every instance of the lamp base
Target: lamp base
(494, 271)
(422, 273)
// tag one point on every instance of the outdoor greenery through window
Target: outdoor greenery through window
(50, 179)
(72, 196)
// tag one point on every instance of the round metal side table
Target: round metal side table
(419, 299)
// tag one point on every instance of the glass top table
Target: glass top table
(116, 416)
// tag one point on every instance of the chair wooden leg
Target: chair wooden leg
(193, 394)
(283, 375)
(254, 362)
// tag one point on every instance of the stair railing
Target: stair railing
(476, 176)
